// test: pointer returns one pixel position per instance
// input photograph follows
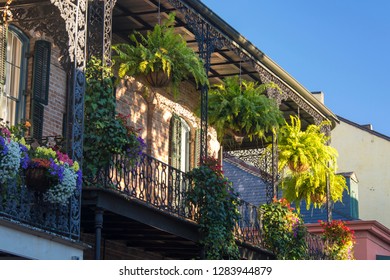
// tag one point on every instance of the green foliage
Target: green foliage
(283, 231)
(216, 203)
(243, 108)
(161, 49)
(308, 163)
(105, 133)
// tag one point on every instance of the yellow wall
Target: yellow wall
(368, 155)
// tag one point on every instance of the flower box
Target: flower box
(37, 179)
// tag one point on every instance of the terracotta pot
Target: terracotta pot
(318, 198)
(157, 79)
(238, 139)
(37, 179)
(299, 168)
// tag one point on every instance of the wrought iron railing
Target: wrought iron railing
(249, 226)
(316, 247)
(27, 207)
(151, 181)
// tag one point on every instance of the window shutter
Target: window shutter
(3, 53)
(175, 142)
(37, 128)
(197, 147)
(41, 71)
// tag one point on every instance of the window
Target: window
(15, 45)
(179, 144)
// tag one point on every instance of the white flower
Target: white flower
(61, 192)
(10, 161)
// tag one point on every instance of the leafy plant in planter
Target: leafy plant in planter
(339, 240)
(242, 109)
(54, 174)
(308, 162)
(283, 230)
(217, 212)
(162, 52)
(105, 133)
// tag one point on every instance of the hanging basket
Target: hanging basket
(318, 198)
(299, 167)
(157, 79)
(37, 179)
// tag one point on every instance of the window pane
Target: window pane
(8, 110)
(14, 58)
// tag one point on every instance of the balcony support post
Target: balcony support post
(98, 232)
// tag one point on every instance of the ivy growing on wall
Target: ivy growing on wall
(105, 134)
(217, 210)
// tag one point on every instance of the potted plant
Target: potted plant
(339, 240)
(54, 174)
(307, 163)
(161, 57)
(241, 108)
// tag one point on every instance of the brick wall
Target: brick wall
(151, 111)
(54, 111)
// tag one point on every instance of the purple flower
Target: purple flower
(79, 179)
(3, 146)
(56, 170)
(24, 159)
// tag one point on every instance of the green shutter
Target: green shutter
(175, 142)
(37, 127)
(197, 147)
(41, 71)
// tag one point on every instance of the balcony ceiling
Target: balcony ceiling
(142, 15)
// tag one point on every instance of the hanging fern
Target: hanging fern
(242, 108)
(161, 49)
(307, 162)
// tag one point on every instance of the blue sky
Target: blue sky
(339, 47)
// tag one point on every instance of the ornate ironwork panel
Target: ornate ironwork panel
(100, 29)
(74, 13)
(264, 161)
(27, 207)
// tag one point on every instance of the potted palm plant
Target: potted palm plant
(241, 109)
(307, 163)
(160, 58)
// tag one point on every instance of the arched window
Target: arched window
(179, 154)
(15, 46)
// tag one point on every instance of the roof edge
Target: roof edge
(258, 55)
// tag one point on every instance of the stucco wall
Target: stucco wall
(368, 155)
(31, 244)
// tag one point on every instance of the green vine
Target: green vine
(105, 134)
(217, 212)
